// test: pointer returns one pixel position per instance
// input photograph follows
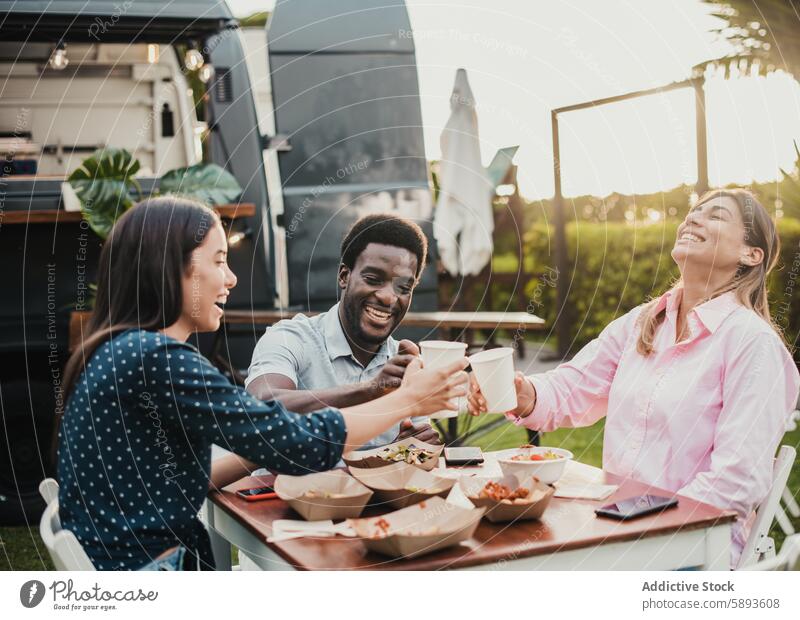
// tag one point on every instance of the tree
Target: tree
(765, 35)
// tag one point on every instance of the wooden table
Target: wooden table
(450, 321)
(569, 537)
(59, 216)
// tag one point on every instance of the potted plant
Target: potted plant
(106, 186)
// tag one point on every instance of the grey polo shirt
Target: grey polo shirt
(314, 353)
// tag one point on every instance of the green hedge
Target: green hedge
(619, 266)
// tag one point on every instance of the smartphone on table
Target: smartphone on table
(461, 457)
(635, 507)
(257, 493)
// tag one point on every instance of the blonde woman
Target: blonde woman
(696, 385)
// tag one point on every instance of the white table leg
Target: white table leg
(219, 544)
(718, 548)
(259, 555)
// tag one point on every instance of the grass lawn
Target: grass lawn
(22, 549)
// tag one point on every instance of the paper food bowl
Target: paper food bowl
(539, 496)
(548, 471)
(419, 529)
(326, 495)
(368, 459)
(400, 485)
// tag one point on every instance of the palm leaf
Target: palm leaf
(208, 183)
(103, 183)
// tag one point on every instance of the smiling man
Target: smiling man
(347, 356)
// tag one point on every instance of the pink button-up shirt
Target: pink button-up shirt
(702, 417)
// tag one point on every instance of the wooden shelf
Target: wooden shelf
(52, 216)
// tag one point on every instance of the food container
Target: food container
(326, 495)
(400, 485)
(382, 457)
(419, 529)
(501, 511)
(547, 471)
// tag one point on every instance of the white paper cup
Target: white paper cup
(440, 353)
(494, 371)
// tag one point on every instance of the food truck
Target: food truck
(337, 134)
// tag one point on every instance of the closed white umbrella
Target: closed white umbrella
(463, 222)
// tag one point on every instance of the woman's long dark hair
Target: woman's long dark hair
(140, 274)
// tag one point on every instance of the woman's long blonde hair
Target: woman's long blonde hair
(749, 283)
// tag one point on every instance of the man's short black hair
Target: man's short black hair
(386, 229)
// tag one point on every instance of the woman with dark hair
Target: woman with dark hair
(144, 407)
(696, 385)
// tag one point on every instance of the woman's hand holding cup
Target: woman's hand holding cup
(526, 397)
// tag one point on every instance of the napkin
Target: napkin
(584, 491)
(288, 529)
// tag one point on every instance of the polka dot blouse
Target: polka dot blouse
(135, 446)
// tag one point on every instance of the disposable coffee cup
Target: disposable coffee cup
(494, 371)
(440, 353)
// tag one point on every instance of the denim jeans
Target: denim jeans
(172, 561)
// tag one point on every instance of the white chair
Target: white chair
(791, 504)
(794, 418)
(781, 517)
(787, 559)
(48, 489)
(786, 497)
(759, 545)
(62, 545)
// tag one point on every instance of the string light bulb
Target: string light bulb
(193, 59)
(206, 73)
(236, 238)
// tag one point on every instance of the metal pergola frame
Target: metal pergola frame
(562, 323)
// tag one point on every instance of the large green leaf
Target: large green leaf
(107, 163)
(207, 183)
(103, 183)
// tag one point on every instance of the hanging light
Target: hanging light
(153, 53)
(206, 73)
(58, 59)
(236, 238)
(193, 59)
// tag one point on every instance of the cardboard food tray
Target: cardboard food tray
(390, 484)
(453, 524)
(499, 512)
(369, 459)
(293, 490)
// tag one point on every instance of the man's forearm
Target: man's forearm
(306, 401)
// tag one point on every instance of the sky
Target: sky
(524, 58)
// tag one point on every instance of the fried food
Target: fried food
(501, 493)
(324, 495)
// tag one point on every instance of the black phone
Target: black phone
(635, 507)
(459, 457)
